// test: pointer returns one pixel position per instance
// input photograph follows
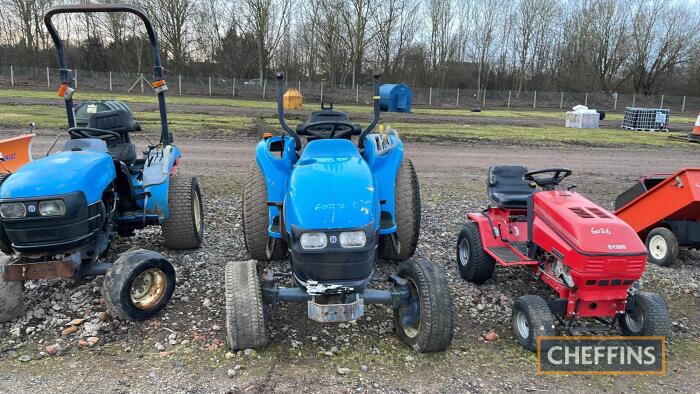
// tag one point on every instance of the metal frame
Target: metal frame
(66, 74)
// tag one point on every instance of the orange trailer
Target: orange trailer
(664, 209)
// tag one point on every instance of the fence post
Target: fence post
(12, 76)
(179, 84)
(141, 80)
(430, 97)
(615, 104)
(457, 97)
(233, 90)
(561, 101)
(509, 92)
(48, 78)
(483, 101)
(585, 101)
(357, 93)
(662, 102)
(634, 98)
(110, 81)
(534, 100)
(683, 105)
(75, 79)
(210, 86)
(321, 91)
(299, 87)
(264, 87)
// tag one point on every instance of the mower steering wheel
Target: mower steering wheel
(340, 129)
(547, 183)
(89, 132)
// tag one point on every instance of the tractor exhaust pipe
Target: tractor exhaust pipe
(375, 119)
(280, 111)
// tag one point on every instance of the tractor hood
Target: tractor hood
(62, 173)
(331, 187)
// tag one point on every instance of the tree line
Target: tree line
(644, 46)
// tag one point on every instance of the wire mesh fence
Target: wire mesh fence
(39, 78)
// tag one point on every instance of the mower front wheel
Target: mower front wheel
(185, 227)
(245, 314)
(648, 318)
(662, 245)
(426, 324)
(11, 296)
(531, 319)
(138, 285)
(474, 264)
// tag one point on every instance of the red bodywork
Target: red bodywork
(603, 254)
(677, 197)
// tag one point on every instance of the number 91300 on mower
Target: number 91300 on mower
(335, 207)
(590, 258)
(59, 214)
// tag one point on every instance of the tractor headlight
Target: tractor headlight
(313, 240)
(13, 210)
(52, 208)
(353, 239)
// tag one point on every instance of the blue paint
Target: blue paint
(62, 173)
(395, 98)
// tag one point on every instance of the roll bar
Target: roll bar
(293, 133)
(67, 77)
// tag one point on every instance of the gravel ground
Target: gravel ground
(66, 340)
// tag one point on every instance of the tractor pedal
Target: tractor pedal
(505, 253)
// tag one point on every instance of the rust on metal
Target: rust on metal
(43, 270)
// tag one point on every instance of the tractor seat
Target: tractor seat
(119, 120)
(507, 188)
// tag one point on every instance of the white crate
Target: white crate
(579, 120)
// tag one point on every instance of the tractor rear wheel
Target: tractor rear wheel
(427, 323)
(474, 264)
(407, 214)
(531, 319)
(11, 296)
(185, 227)
(662, 245)
(256, 219)
(138, 285)
(649, 318)
(245, 314)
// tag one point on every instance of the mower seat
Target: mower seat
(328, 114)
(119, 120)
(507, 188)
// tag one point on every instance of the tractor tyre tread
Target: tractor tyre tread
(11, 297)
(436, 305)
(407, 214)
(540, 320)
(180, 230)
(671, 243)
(657, 321)
(256, 218)
(481, 265)
(245, 315)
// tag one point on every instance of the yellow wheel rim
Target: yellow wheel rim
(148, 289)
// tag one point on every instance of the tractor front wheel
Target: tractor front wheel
(245, 314)
(426, 323)
(407, 214)
(531, 319)
(11, 296)
(648, 318)
(256, 219)
(662, 245)
(185, 227)
(138, 285)
(474, 264)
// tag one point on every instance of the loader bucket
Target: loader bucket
(15, 152)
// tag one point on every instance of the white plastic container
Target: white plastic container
(582, 118)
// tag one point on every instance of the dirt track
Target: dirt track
(452, 183)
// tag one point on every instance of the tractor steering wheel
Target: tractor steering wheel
(547, 183)
(89, 132)
(340, 129)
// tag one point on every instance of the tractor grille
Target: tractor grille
(582, 213)
(596, 266)
(590, 213)
(599, 213)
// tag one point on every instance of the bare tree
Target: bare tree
(267, 21)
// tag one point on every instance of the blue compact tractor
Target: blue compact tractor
(59, 214)
(335, 203)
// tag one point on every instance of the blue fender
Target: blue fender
(331, 187)
(160, 164)
(66, 172)
(384, 163)
(277, 171)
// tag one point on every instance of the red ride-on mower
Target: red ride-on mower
(589, 257)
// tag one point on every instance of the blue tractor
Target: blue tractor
(335, 203)
(59, 214)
